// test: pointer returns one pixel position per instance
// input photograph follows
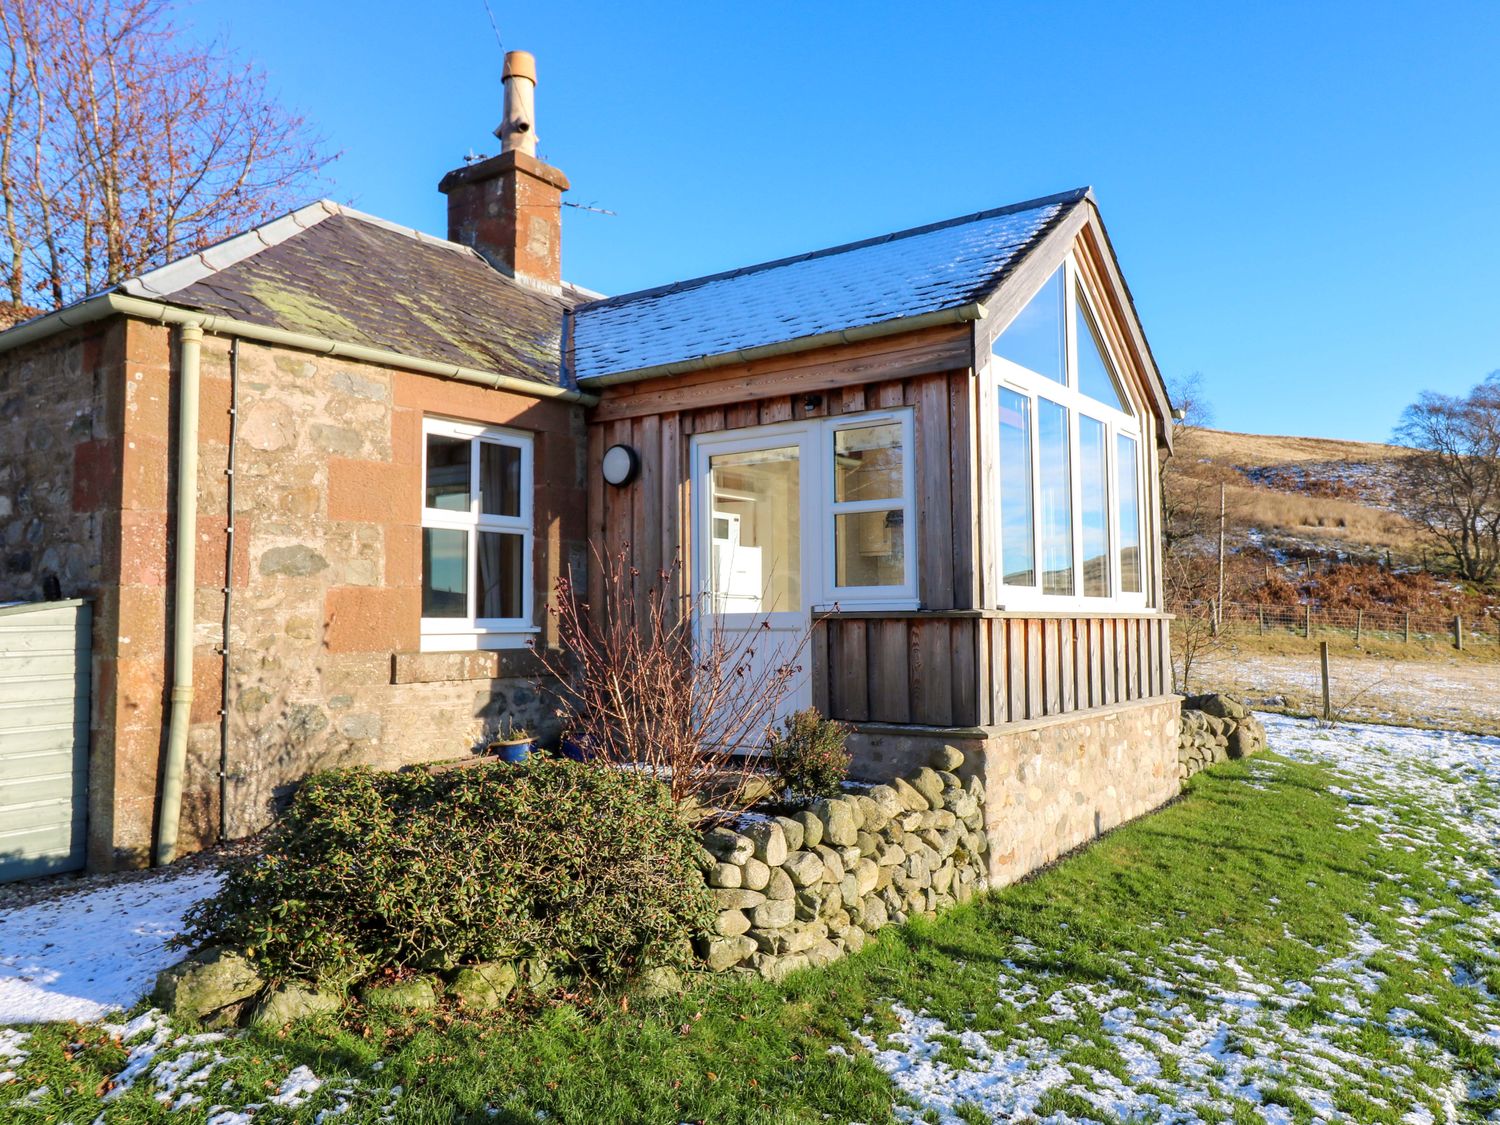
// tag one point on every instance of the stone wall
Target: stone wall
(804, 890)
(85, 477)
(59, 446)
(324, 661)
(1216, 728)
(1058, 783)
(324, 657)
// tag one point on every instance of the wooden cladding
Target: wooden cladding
(984, 669)
(827, 370)
(652, 514)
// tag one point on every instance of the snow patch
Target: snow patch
(84, 955)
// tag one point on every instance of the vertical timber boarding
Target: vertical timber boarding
(927, 371)
(44, 737)
(1029, 666)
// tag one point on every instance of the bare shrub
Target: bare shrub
(652, 681)
(1191, 581)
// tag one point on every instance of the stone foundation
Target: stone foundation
(1055, 784)
(806, 889)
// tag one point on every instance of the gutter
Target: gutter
(961, 314)
(110, 304)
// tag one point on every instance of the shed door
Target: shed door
(44, 737)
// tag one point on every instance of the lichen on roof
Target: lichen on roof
(300, 311)
(365, 282)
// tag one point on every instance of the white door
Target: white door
(754, 569)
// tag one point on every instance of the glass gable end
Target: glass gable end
(1035, 338)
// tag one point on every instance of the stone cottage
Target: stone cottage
(316, 483)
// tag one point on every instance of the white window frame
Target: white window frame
(1001, 372)
(448, 634)
(869, 597)
(815, 440)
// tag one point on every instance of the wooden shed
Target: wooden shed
(937, 452)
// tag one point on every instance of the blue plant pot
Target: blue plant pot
(579, 749)
(515, 752)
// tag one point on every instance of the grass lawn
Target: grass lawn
(1309, 934)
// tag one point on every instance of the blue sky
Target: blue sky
(1303, 197)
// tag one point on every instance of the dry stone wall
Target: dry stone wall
(800, 890)
(1216, 728)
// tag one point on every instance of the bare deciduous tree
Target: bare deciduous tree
(1185, 498)
(1451, 485)
(1189, 516)
(125, 145)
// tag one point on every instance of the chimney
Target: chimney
(509, 207)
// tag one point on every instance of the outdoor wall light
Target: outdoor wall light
(621, 465)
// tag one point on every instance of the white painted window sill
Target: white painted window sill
(477, 641)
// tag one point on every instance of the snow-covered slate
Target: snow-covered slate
(909, 273)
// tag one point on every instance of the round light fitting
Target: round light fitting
(621, 465)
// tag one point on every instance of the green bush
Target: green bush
(590, 867)
(808, 754)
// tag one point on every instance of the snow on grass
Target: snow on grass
(178, 1069)
(81, 956)
(296, 1088)
(1187, 1033)
(12, 1052)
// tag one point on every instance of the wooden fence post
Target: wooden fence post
(1458, 632)
(1307, 630)
(1408, 628)
(1359, 624)
(1213, 621)
(1260, 613)
(1323, 657)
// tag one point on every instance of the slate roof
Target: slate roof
(927, 269)
(328, 271)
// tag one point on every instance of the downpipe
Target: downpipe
(190, 338)
(234, 425)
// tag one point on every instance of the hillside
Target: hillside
(1310, 521)
(1298, 497)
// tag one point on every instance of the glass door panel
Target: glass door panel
(755, 531)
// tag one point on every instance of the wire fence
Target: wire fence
(1387, 625)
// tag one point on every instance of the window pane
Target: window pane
(1056, 498)
(867, 463)
(502, 575)
(755, 543)
(1035, 338)
(499, 479)
(1130, 516)
(1016, 531)
(448, 472)
(1096, 375)
(869, 549)
(1094, 506)
(445, 573)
